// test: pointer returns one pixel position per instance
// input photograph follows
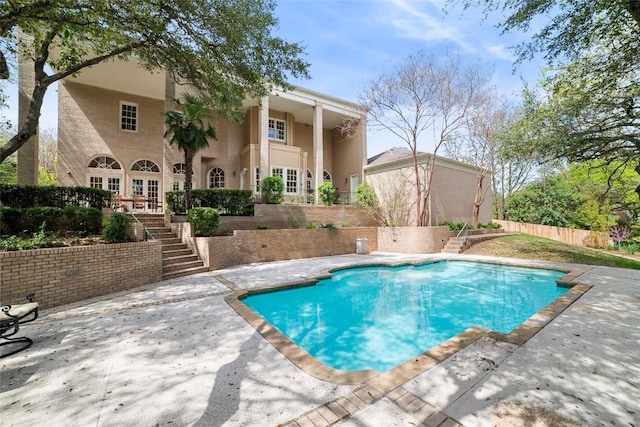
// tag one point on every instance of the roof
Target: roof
(391, 155)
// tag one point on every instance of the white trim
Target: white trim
(136, 118)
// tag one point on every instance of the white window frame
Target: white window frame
(285, 175)
(220, 175)
(275, 133)
(135, 120)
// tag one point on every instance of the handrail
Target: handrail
(145, 231)
(466, 234)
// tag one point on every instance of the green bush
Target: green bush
(489, 226)
(294, 222)
(227, 202)
(69, 219)
(205, 221)
(27, 196)
(327, 193)
(344, 224)
(366, 196)
(453, 226)
(116, 228)
(262, 226)
(272, 189)
(311, 226)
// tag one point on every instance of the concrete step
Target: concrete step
(185, 272)
(181, 266)
(161, 235)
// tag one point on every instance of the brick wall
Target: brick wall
(63, 275)
(248, 246)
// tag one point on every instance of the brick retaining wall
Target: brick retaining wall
(248, 246)
(63, 275)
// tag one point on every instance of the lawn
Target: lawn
(537, 248)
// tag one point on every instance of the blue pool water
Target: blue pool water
(378, 317)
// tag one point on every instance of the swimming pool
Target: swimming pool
(377, 317)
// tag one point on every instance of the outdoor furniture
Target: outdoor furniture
(139, 201)
(116, 202)
(11, 317)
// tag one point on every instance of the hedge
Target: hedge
(227, 202)
(29, 196)
(29, 220)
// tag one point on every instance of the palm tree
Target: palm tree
(187, 130)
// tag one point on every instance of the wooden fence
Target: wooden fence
(571, 236)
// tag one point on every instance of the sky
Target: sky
(350, 42)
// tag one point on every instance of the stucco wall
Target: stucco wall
(63, 275)
(418, 240)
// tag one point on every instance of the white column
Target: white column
(318, 156)
(263, 138)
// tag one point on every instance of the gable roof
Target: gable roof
(391, 155)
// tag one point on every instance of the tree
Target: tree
(479, 145)
(548, 202)
(48, 157)
(8, 169)
(592, 110)
(224, 48)
(425, 93)
(568, 31)
(187, 130)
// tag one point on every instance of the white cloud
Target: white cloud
(501, 51)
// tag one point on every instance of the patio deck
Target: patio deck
(175, 353)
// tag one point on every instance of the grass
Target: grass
(537, 248)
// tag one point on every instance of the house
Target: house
(111, 136)
(453, 187)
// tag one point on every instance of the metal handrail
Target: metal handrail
(145, 231)
(466, 234)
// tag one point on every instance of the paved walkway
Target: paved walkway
(175, 354)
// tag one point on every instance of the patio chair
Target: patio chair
(11, 317)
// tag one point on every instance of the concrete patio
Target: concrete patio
(176, 354)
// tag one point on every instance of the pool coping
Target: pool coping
(395, 377)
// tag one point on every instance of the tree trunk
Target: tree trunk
(477, 201)
(188, 177)
(29, 127)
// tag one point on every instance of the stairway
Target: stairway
(455, 245)
(177, 258)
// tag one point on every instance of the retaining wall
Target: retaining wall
(418, 240)
(64, 275)
(248, 246)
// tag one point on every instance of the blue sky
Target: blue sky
(349, 42)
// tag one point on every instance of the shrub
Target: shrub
(489, 226)
(205, 221)
(453, 226)
(82, 220)
(312, 226)
(272, 189)
(262, 226)
(366, 197)
(344, 224)
(25, 196)
(116, 228)
(327, 193)
(176, 201)
(294, 222)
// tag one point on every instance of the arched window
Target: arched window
(309, 181)
(326, 176)
(145, 166)
(216, 178)
(179, 168)
(104, 162)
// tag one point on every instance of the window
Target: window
(291, 184)
(257, 179)
(277, 130)
(128, 117)
(179, 168)
(326, 176)
(137, 187)
(290, 178)
(178, 185)
(113, 185)
(104, 162)
(95, 182)
(145, 166)
(216, 178)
